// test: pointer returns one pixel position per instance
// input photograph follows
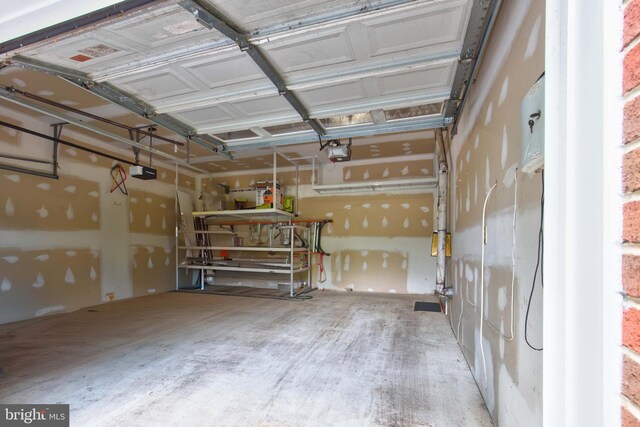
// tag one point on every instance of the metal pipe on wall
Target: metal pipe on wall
(443, 171)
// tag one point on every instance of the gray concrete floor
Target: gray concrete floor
(179, 359)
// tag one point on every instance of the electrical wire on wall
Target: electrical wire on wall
(118, 177)
(513, 266)
(484, 242)
(539, 266)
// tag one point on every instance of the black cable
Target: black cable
(322, 224)
(539, 263)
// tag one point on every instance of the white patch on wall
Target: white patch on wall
(468, 273)
(385, 261)
(505, 147)
(365, 222)
(405, 223)
(70, 189)
(487, 176)
(44, 257)
(148, 200)
(468, 202)
(385, 222)
(405, 170)
(347, 263)
(149, 263)
(346, 224)
(163, 175)
(475, 190)
(49, 310)
(487, 118)
(11, 259)
(69, 213)
(147, 221)
(532, 44)
(69, 277)
(330, 228)
(424, 171)
(425, 209)
(338, 268)
(476, 142)
(9, 209)
(164, 223)
(424, 223)
(93, 158)
(405, 205)
(365, 266)
(375, 155)
(94, 194)
(42, 212)
(71, 254)
(39, 281)
(164, 205)
(510, 175)
(365, 175)
(347, 175)
(385, 206)
(167, 261)
(502, 298)
(133, 200)
(329, 214)
(130, 217)
(5, 286)
(71, 152)
(18, 82)
(467, 157)
(347, 207)
(392, 291)
(94, 217)
(93, 274)
(151, 291)
(504, 91)
(237, 184)
(385, 173)
(13, 178)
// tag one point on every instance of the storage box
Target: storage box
(265, 196)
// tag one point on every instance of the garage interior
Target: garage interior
(152, 273)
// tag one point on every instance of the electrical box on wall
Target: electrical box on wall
(532, 128)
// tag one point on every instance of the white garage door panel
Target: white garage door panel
(210, 115)
(333, 94)
(250, 15)
(137, 39)
(262, 106)
(376, 102)
(436, 79)
(82, 53)
(222, 70)
(435, 28)
(328, 48)
(157, 84)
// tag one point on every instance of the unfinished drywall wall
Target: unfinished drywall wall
(379, 242)
(485, 162)
(70, 243)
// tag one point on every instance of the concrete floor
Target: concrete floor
(179, 359)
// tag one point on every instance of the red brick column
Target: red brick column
(631, 216)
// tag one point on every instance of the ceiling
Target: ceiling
(239, 77)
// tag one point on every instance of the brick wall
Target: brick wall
(631, 216)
